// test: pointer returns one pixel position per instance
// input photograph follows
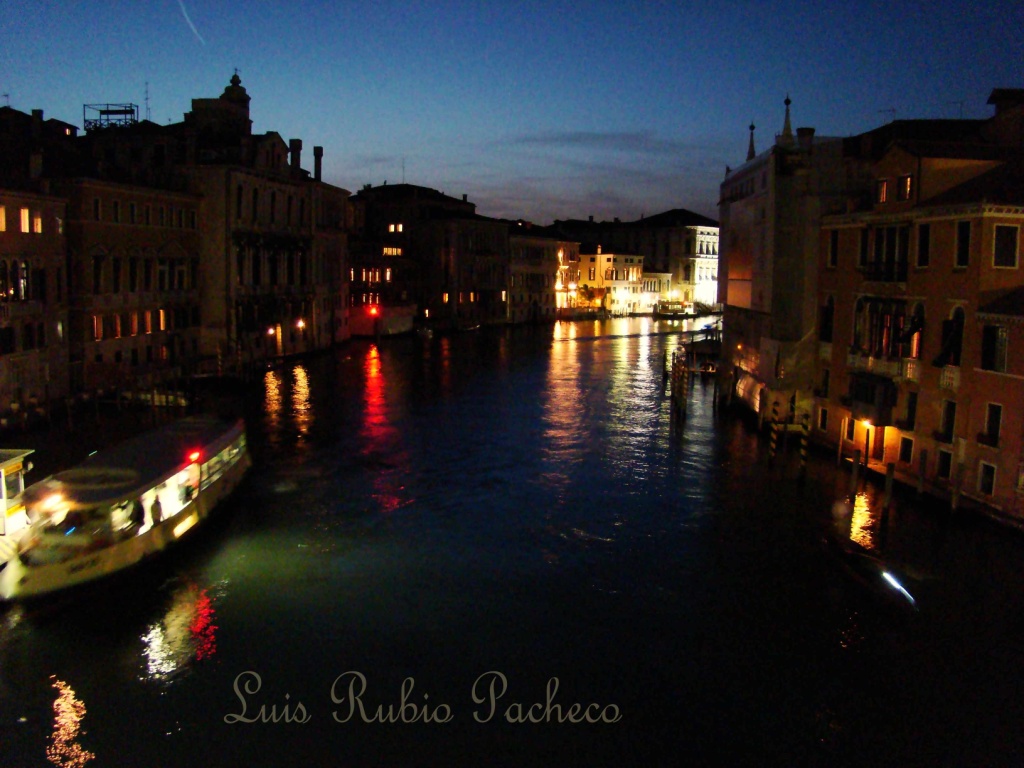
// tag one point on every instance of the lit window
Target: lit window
(882, 191)
(391, 227)
(163, 319)
(24, 219)
(399, 227)
(503, 295)
(3, 218)
(906, 187)
(472, 296)
(387, 274)
(37, 223)
(444, 297)
(97, 328)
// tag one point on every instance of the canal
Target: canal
(500, 548)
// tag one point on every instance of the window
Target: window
(1005, 254)
(37, 223)
(944, 467)
(862, 258)
(924, 244)
(851, 423)
(131, 213)
(146, 214)
(255, 203)
(25, 220)
(592, 273)
(947, 422)
(823, 419)
(444, 297)
(97, 210)
(906, 450)
(833, 248)
(97, 328)
(882, 191)
(826, 320)
(993, 421)
(238, 202)
(273, 207)
(986, 478)
(905, 187)
(115, 213)
(3, 218)
(993, 348)
(963, 244)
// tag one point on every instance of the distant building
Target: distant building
(453, 262)
(678, 242)
(615, 280)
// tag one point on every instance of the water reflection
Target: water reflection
(863, 522)
(272, 401)
(68, 711)
(302, 412)
(380, 452)
(185, 634)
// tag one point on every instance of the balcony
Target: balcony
(910, 369)
(950, 378)
(942, 436)
(992, 441)
(880, 366)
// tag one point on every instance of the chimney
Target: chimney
(295, 150)
(465, 198)
(805, 138)
(591, 219)
(37, 124)
(318, 162)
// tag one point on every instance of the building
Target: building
(454, 262)
(33, 303)
(614, 281)
(770, 210)
(921, 298)
(873, 286)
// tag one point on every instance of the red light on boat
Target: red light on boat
(194, 456)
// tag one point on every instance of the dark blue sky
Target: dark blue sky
(540, 110)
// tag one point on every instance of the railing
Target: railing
(911, 369)
(950, 378)
(882, 366)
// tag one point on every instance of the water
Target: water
(507, 508)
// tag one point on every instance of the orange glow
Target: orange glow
(68, 712)
(300, 324)
(373, 310)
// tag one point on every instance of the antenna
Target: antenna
(148, 114)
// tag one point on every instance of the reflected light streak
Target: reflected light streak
(862, 522)
(186, 632)
(301, 410)
(272, 397)
(68, 713)
(380, 436)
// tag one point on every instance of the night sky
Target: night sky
(539, 110)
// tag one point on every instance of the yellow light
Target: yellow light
(194, 456)
(572, 286)
(51, 502)
(270, 331)
(300, 324)
(185, 524)
(866, 422)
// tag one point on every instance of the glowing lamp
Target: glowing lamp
(194, 456)
(270, 331)
(300, 324)
(373, 310)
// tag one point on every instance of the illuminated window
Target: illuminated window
(391, 227)
(97, 328)
(135, 323)
(503, 295)
(392, 251)
(882, 191)
(387, 274)
(472, 296)
(444, 297)
(163, 319)
(905, 188)
(24, 219)
(3, 218)
(352, 274)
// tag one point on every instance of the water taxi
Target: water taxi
(123, 505)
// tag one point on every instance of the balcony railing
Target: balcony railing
(881, 366)
(950, 378)
(911, 369)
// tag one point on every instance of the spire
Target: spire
(750, 150)
(787, 129)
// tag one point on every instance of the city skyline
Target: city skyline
(535, 111)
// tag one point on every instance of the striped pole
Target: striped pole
(773, 440)
(804, 437)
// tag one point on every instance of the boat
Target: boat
(124, 505)
(673, 309)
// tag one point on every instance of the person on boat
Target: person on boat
(156, 511)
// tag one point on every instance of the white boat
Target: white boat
(124, 504)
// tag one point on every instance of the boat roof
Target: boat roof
(139, 463)
(10, 456)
